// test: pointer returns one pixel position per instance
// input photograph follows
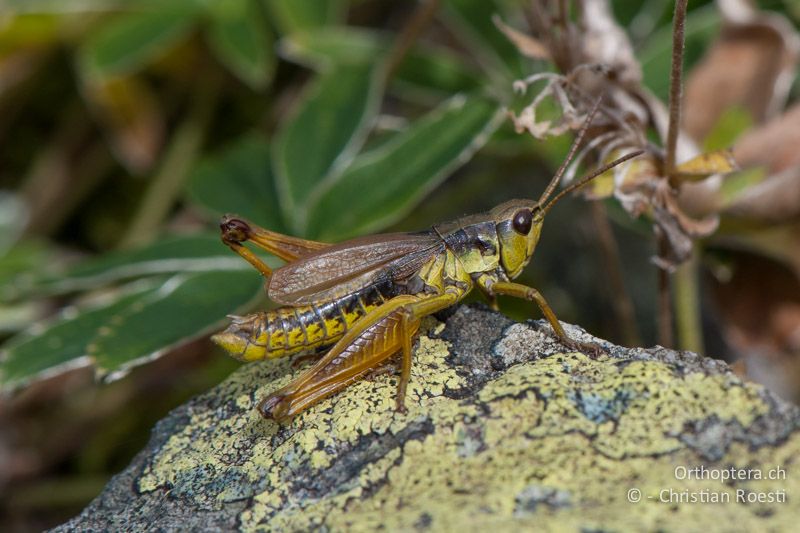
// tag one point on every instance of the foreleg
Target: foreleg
(529, 293)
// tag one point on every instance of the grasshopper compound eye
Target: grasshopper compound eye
(522, 221)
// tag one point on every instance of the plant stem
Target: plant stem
(620, 298)
(675, 85)
(687, 306)
(167, 184)
(420, 19)
(664, 317)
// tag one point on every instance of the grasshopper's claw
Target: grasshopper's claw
(589, 348)
(389, 368)
(274, 407)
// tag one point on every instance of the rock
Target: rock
(503, 430)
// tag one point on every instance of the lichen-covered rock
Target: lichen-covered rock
(503, 430)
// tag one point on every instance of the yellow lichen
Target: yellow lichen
(555, 443)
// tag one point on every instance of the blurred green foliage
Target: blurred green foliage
(307, 174)
(189, 109)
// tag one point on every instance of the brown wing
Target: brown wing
(352, 265)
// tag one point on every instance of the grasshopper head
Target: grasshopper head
(519, 224)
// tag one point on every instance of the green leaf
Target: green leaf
(472, 21)
(294, 15)
(735, 185)
(185, 307)
(324, 48)
(23, 259)
(435, 70)
(27, 257)
(60, 345)
(173, 254)
(241, 41)
(239, 180)
(731, 124)
(425, 67)
(325, 133)
(135, 38)
(134, 328)
(383, 185)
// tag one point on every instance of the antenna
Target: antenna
(589, 177)
(572, 149)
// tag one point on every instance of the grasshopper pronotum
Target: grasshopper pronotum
(364, 298)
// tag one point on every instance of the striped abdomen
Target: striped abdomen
(290, 330)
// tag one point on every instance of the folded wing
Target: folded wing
(352, 265)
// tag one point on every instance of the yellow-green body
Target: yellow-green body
(479, 249)
(291, 330)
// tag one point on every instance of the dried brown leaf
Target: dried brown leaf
(774, 200)
(627, 181)
(750, 65)
(679, 245)
(527, 45)
(635, 184)
(692, 226)
(595, 57)
(679, 229)
(605, 42)
(773, 145)
(758, 301)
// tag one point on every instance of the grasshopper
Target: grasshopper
(363, 299)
